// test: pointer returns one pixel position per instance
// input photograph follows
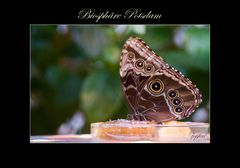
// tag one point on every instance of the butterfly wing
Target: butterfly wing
(131, 78)
(174, 101)
(153, 89)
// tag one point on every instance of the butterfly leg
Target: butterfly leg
(142, 117)
(130, 117)
(135, 116)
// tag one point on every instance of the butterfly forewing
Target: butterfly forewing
(154, 90)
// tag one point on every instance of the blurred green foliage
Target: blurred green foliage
(76, 68)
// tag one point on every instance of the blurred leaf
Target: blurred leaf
(159, 37)
(112, 54)
(120, 29)
(100, 95)
(55, 75)
(122, 112)
(68, 91)
(182, 61)
(197, 41)
(90, 39)
(201, 79)
(66, 85)
(138, 29)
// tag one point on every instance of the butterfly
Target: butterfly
(154, 90)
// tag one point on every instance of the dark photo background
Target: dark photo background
(75, 78)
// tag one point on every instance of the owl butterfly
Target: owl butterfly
(155, 91)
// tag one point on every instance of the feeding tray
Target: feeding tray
(132, 130)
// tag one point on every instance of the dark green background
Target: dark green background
(75, 68)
